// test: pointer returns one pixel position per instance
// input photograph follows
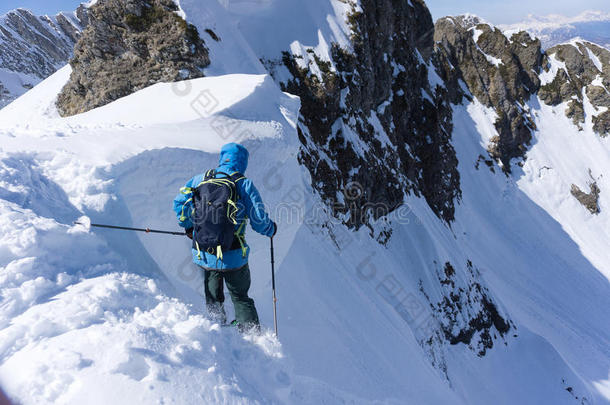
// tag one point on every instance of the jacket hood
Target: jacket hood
(234, 158)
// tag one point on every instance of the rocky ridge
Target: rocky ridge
(466, 313)
(124, 37)
(373, 126)
(588, 200)
(505, 73)
(501, 72)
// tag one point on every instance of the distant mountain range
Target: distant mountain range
(593, 26)
(34, 47)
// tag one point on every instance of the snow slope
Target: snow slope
(127, 291)
(68, 293)
(109, 316)
(243, 25)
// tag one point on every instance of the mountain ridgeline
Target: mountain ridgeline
(379, 112)
(505, 73)
(32, 47)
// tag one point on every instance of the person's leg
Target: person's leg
(214, 296)
(238, 284)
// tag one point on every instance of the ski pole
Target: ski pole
(273, 288)
(125, 228)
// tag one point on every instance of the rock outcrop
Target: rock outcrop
(372, 127)
(501, 72)
(588, 200)
(129, 45)
(575, 71)
(466, 312)
(505, 73)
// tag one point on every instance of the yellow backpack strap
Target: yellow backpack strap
(198, 250)
(236, 177)
(232, 211)
(182, 217)
(239, 235)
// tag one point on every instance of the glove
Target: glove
(189, 233)
(274, 229)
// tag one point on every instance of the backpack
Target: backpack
(214, 211)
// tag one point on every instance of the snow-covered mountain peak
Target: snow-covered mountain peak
(554, 29)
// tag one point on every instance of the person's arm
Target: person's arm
(183, 205)
(255, 209)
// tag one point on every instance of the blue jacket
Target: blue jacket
(233, 158)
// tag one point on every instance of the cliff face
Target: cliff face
(373, 127)
(505, 73)
(376, 125)
(127, 46)
(501, 72)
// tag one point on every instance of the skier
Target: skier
(214, 209)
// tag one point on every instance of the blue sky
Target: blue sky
(495, 11)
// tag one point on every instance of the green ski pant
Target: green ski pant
(238, 284)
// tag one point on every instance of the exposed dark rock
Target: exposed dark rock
(589, 200)
(576, 111)
(581, 400)
(601, 123)
(4, 95)
(82, 13)
(68, 27)
(488, 162)
(501, 73)
(212, 34)
(560, 89)
(129, 45)
(371, 125)
(466, 312)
